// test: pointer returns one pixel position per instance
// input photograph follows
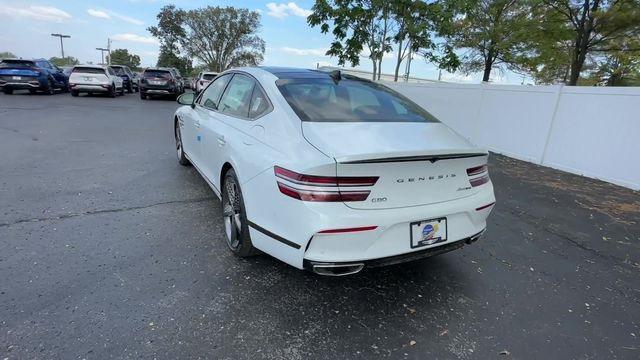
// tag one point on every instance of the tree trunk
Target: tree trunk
(379, 66)
(375, 69)
(398, 61)
(488, 64)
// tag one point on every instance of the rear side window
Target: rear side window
(12, 63)
(259, 103)
(87, 70)
(237, 96)
(211, 94)
(349, 100)
(118, 70)
(209, 76)
(157, 74)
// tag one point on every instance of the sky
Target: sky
(27, 25)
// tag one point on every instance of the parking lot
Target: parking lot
(110, 249)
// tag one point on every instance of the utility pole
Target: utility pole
(61, 36)
(102, 50)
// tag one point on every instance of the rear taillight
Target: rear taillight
(323, 188)
(478, 175)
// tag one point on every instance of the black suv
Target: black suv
(127, 77)
(159, 81)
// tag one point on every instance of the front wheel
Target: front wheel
(236, 227)
(112, 91)
(182, 159)
(51, 89)
(74, 93)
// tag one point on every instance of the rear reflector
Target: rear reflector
(348, 230)
(485, 206)
(313, 180)
(479, 180)
(327, 196)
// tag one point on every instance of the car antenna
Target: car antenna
(335, 75)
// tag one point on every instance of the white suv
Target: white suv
(95, 79)
(204, 79)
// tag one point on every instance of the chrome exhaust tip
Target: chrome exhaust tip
(337, 269)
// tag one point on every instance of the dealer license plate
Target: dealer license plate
(428, 232)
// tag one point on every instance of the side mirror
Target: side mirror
(186, 99)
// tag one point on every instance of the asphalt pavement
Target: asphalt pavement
(110, 249)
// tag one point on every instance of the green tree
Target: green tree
(168, 58)
(219, 37)
(358, 25)
(67, 61)
(489, 33)
(595, 27)
(122, 57)
(7, 55)
(620, 67)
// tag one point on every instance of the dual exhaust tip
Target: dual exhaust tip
(337, 269)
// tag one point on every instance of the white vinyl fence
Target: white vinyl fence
(591, 131)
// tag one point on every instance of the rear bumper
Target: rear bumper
(23, 85)
(90, 88)
(396, 259)
(159, 90)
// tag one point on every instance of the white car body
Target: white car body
(204, 79)
(94, 79)
(424, 171)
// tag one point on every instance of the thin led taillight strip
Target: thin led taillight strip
(314, 180)
(322, 196)
(479, 180)
(477, 170)
(348, 230)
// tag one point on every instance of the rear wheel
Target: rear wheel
(74, 93)
(130, 88)
(236, 227)
(121, 92)
(143, 96)
(112, 91)
(8, 91)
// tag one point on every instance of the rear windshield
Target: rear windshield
(349, 100)
(157, 74)
(12, 63)
(209, 76)
(87, 70)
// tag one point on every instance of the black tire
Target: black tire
(7, 91)
(143, 96)
(130, 88)
(121, 92)
(51, 90)
(182, 158)
(33, 91)
(75, 93)
(237, 236)
(112, 91)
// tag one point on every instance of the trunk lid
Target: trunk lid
(417, 163)
(88, 78)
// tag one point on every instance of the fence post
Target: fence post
(553, 120)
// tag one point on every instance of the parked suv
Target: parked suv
(159, 81)
(95, 79)
(204, 79)
(127, 77)
(33, 75)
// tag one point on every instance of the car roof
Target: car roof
(92, 66)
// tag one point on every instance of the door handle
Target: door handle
(221, 140)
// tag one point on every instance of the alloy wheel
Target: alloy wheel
(231, 213)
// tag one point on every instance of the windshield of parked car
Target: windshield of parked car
(209, 76)
(349, 99)
(157, 74)
(118, 70)
(87, 70)
(13, 63)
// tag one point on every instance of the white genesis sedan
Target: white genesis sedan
(330, 172)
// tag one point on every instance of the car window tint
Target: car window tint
(259, 103)
(349, 100)
(212, 93)
(87, 70)
(237, 96)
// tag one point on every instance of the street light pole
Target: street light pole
(61, 36)
(102, 50)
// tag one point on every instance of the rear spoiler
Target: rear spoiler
(432, 158)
